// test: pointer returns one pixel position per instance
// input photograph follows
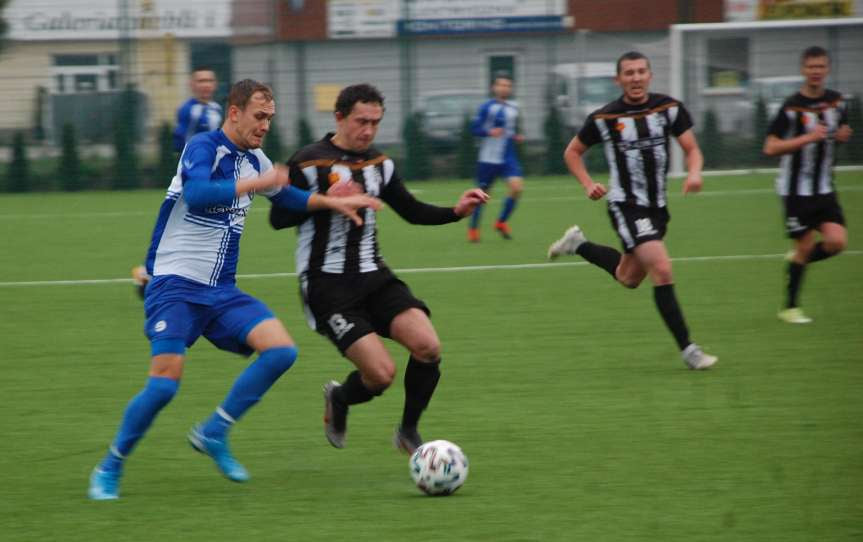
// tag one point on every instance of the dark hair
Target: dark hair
(242, 91)
(814, 52)
(363, 92)
(502, 74)
(631, 55)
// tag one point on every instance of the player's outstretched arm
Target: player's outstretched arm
(572, 156)
(346, 205)
(200, 191)
(276, 177)
(694, 162)
(414, 211)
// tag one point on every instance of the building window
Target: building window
(84, 73)
(727, 63)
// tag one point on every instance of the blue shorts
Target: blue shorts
(179, 311)
(487, 172)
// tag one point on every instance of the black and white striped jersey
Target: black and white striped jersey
(809, 170)
(331, 243)
(635, 139)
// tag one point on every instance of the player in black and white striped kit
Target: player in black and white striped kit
(635, 131)
(349, 293)
(805, 132)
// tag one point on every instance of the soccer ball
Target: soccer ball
(439, 467)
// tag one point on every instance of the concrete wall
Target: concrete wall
(160, 72)
(455, 63)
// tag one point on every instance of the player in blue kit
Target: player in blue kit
(496, 122)
(199, 113)
(196, 115)
(193, 259)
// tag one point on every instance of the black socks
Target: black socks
(420, 382)
(666, 302)
(795, 279)
(818, 253)
(353, 391)
(600, 256)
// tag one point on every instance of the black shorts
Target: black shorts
(804, 213)
(635, 224)
(346, 307)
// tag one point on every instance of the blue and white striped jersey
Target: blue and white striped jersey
(197, 237)
(194, 117)
(496, 114)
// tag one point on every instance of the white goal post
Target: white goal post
(767, 44)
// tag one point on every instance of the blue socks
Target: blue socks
(508, 208)
(248, 389)
(474, 218)
(140, 413)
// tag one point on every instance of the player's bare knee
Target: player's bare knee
(835, 245)
(515, 189)
(427, 350)
(380, 377)
(660, 273)
(630, 282)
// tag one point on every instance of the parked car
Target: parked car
(774, 90)
(581, 88)
(444, 111)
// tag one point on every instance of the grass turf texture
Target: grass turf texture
(564, 389)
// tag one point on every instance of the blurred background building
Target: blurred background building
(94, 64)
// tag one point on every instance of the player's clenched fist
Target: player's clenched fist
(595, 191)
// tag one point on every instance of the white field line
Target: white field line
(461, 269)
(576, 196)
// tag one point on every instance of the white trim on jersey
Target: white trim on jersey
(304, 292)
(202, 221)
(783, 178)
(634, 162)
(492, 150)
(615, 191)
(199, 244)
(656, 126)
(306, 230)
(622, 228)
(266, 165)
(825, 181)
(389, 168)
(220, 257)
(373, 182)
(334, 260)
(221, 152)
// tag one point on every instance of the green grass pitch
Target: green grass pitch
(563, 388)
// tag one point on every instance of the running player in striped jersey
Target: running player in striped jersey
(805, 132)
(634, 131)
(496, 122)
(193, 260)
(350, 294)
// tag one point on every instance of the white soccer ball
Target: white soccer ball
(439, 467)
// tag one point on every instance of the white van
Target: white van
(581, 88)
